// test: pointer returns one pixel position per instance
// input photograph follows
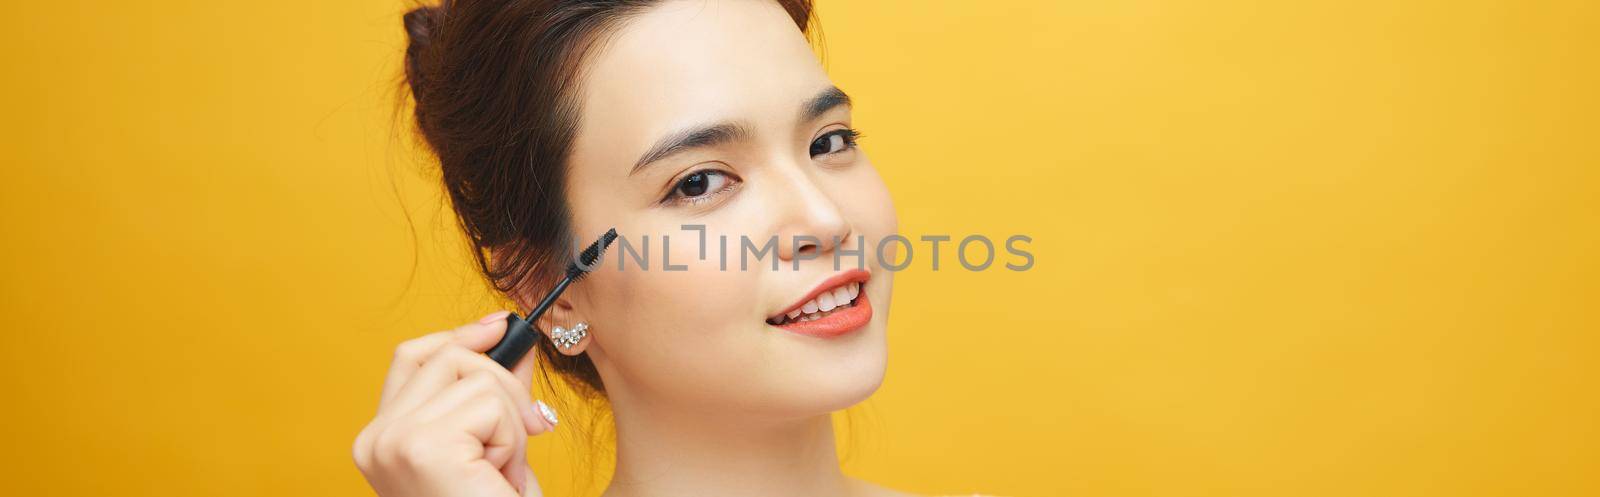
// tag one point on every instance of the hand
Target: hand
(452, 422)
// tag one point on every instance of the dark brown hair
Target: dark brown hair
(495, 91)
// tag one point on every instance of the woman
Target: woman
(556, 120)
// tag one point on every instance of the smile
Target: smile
(836, 306)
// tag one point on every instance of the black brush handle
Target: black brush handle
(520, 333)
(519, 339)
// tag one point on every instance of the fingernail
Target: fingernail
(494, 316)
(548, 413)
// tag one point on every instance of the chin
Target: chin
(856, 391)
(841, 372)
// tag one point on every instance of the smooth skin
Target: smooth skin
(708, 399)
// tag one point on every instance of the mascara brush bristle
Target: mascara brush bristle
(590, 256)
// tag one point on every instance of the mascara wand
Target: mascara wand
(520, 334)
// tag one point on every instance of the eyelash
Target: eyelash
(674, 198)
(850, 136)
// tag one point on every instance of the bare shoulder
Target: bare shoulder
(868, 489)
(865, 488)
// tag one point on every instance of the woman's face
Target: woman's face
(765, 154)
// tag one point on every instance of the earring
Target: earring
(566, 338)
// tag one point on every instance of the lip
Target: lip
(839, 322)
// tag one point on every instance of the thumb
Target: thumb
(482, 335)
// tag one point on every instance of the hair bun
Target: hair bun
(420, 24)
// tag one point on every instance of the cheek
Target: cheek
(868, 204)
(694, 323)
(871, 212)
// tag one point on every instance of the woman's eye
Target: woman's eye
(699, 185)
(834, 142)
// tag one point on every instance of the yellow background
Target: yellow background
(1282, 248)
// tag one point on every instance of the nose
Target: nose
(811, 223)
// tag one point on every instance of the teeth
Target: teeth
(842, 294)
(825, 303)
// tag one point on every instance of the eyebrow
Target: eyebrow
(823, 102)
(729, 131)
(707, 136)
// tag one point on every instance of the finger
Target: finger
(490, 435)
(449, 364)
(408, 357)
(482, 335)
(523, 371)
(468, 394)
(502, 451)
(516, 470)
(547, 415)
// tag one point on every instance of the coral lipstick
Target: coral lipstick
(834, 307)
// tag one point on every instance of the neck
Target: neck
(664, 454)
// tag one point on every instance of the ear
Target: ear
(563, 314)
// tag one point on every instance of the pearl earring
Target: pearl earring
(566, 338)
